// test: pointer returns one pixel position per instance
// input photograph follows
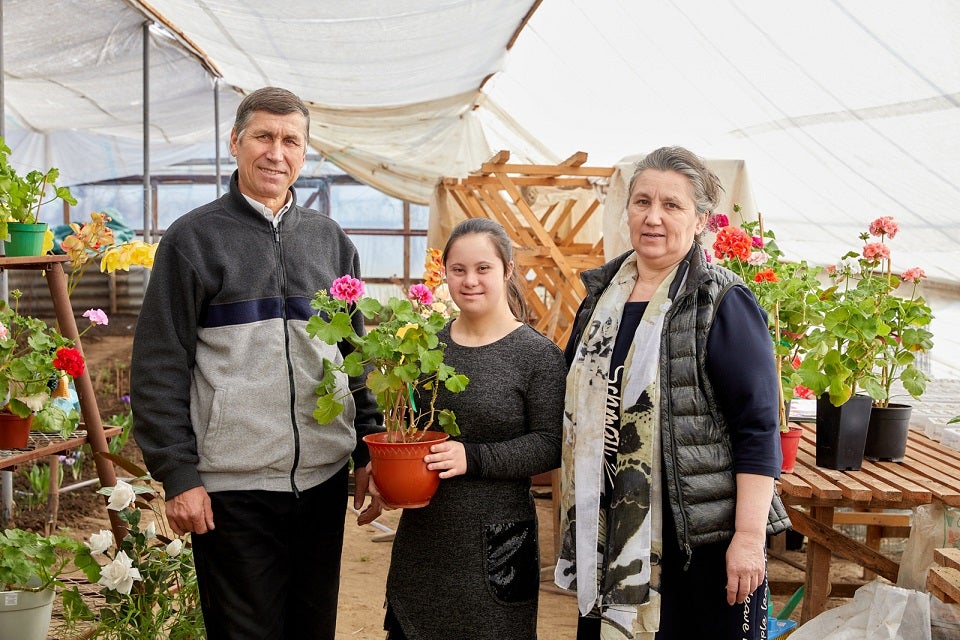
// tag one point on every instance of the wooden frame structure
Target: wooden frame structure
(547, 249)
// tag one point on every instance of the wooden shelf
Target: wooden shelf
(45, 444)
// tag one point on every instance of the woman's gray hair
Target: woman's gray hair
(706, 185)
(272, 100)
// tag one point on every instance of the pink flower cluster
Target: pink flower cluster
(717, 221)
(421, 293)
(876, 251)
(96, 316)
(913, 275)
(884, 226)
(347, 288)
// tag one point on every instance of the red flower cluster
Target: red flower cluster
(766, 275)
(69, 361)
(732, 242)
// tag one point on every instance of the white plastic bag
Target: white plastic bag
(879, 611)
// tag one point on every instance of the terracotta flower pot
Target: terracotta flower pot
(14, 431)
(400, 472)
(789, 443)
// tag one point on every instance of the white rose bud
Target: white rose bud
(122, 496)
(100, 542)
(175, 547)
(151, 531)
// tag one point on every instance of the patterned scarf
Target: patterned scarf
(628, 605)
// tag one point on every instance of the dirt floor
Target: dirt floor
(366, 549)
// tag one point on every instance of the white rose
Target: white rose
(122, 496)
(119, 574)
(100, 542)
(175, 547)
(151, 531)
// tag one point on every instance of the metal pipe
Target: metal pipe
(216, 130)
(147, 191)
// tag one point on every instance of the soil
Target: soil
(366, 552)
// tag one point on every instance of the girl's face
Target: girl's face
(476, 275)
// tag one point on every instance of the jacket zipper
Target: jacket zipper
(281, 273)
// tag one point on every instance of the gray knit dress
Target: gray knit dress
(466, 566)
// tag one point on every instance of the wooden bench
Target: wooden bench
(943, 581)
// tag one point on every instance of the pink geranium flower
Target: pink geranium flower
(913, 275)
(347, 288)
(421, 293)
(96, 316)
(717, 221)
(757, 242)
(876, 251)
(884, 226)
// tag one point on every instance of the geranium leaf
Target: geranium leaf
(327, 409)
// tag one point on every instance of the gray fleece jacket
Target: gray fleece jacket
(223, 376)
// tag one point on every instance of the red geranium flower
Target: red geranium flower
(732, 242)
(767, 275)
(69, 361)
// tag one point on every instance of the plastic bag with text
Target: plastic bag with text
(879, 611)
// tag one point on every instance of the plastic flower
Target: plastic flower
(120, 574)
(121, 497)
(347, 288)
(421, 293)
(732, 242)
(69, 360)
(913, 275)
(96, 316)
(884, 226)
(876, 251)
(100, 542)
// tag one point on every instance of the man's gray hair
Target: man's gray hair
(273, 100)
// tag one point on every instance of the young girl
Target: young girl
(467, 565)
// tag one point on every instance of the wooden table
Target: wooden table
(943, 580)
(928, 472)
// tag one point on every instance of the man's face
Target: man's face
(269, 155)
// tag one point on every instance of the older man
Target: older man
(223, 381)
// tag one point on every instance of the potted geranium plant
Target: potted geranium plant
(790, 293)
(20, 200)
(30, 569)
(402, 359)
(33, 357)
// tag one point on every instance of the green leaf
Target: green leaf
(353, 364)
(327, 409)
(456, 383)
(448, 422)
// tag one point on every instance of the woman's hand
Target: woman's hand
(447, 457)
(746, 565)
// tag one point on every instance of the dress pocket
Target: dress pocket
(513, 560)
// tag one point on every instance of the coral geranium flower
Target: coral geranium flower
(732, 242)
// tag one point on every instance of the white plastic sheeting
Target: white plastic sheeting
(843, 110)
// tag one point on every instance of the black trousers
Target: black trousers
(693, 603)
(271, 568)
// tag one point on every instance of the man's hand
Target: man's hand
(190, 511)
(364, 481)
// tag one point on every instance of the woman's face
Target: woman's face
(475, 274)
(662, 218)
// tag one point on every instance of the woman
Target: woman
(666, 496)
(467, 565)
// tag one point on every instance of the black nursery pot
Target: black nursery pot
(887, 434)
(842, 432)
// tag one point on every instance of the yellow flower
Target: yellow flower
(47, 241)
(403, 330)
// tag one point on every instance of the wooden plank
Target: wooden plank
(930, 468)
(872, 518)
(948, 557)
(911, 492)
(822, 488)
(794, 486)
(944, 582)
(500, 157)
(842, 545)
(575, 160)
(546, 170)
(817, 581)
(850, 488)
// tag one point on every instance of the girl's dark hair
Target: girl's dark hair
(501, 241)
